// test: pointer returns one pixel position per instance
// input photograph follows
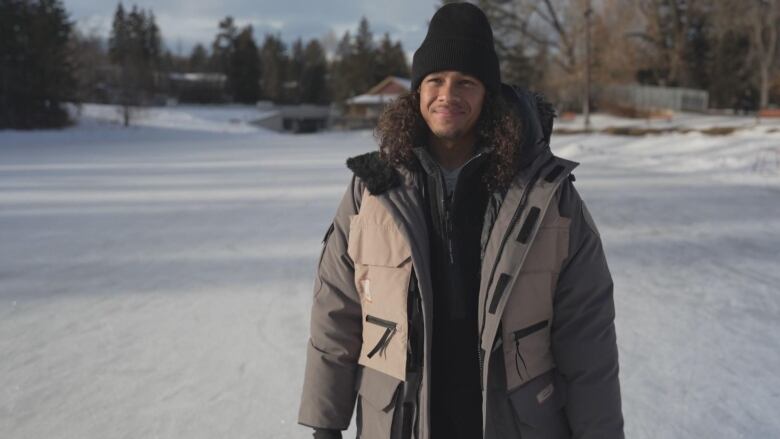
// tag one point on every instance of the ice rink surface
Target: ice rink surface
(156, 282)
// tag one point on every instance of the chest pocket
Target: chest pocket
(383, 270)
(527, 319)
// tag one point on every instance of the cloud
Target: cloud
(186, 22)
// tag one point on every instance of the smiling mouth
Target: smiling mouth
(448, 112)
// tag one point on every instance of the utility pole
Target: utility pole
(586, 101)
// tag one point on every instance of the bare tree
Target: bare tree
(552, 25)
(760, 21)
(766, 19)
(616, 52)
(667, 31)
(548, 36)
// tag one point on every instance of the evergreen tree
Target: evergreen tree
(199, 59)
(274, 66)
(36, 71)
(344, 48)
(360, 63)
(355, 69)
(313, 79)
(118, 41)
(245, 68)
(390, 59)
(223, 46)
(136, 52)
(136, 31)
(295, 67)
(152, 40)
(363, 64)
(341, 73)
(145, 47)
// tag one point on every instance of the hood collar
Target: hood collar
(536, 115)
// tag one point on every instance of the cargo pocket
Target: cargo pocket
(528, 312)
(538, 407)
(526, 336)
(383, 270)
(378, 395)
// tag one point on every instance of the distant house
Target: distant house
(362, 111)
(304, 118)
(201, 88)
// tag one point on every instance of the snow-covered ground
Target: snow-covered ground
(694, 121)
(155, 282)
(210, 118)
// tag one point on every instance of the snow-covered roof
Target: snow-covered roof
(369, 99)
(407, 83)
(197, 77)
(374, 96)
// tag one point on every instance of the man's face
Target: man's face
(450, 103)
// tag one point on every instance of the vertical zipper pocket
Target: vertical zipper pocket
(390, 328)
(522, 333)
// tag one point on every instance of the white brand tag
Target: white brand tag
(366, 290)
(545, 393)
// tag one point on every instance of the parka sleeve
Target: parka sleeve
(333, 350)
(583, 332)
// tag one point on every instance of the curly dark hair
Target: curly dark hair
(401, 128)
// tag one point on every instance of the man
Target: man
(462, 290)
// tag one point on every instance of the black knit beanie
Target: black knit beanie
(459, 38)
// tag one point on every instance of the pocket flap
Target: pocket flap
(540, 399)
(376, 244)
(377, 388)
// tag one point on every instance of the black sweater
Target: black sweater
(455, 225)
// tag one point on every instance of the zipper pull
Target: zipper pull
(384, 341)
(519, 355)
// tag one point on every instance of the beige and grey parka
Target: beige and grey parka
(548, 352)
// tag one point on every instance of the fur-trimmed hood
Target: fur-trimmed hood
(535, 112)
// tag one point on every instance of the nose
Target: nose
(448, 93)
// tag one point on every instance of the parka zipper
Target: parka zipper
(447, 203)
(448, 227)
(390, 328)
(445, 209)
(507, 233)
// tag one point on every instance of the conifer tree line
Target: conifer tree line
(36, 69)
(45, 62)
(300, 72)
(269, 70)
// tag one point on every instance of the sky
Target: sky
(187, 22)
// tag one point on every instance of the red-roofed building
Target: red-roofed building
(369, 105)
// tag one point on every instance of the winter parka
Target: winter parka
(548, 355)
